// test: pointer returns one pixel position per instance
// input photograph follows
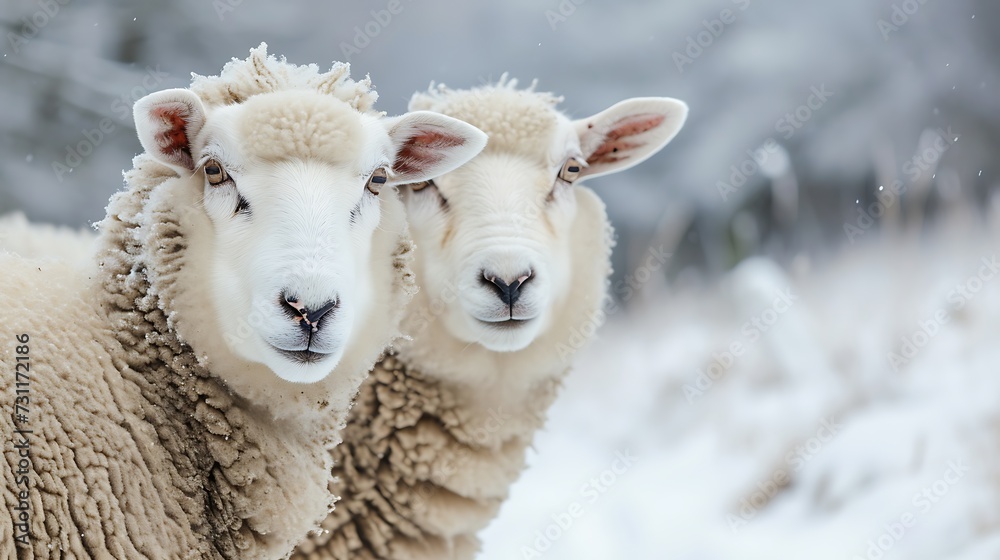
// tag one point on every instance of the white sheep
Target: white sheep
(34, 240)
(512, 261)
(161, 411)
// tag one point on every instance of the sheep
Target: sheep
(512, 261)
(178, 399)
(18, 235)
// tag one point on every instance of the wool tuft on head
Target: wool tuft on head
(279, 172)
(502, 228)
(512, 259)
(243, 283)
(263, 73)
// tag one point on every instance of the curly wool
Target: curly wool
(149, 455)
(137, 450)
(19, 236)
(263, 73)
(425, 463)
(518, 121)
(406, 435)
(140, 414)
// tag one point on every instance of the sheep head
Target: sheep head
(498, 231)
(293, 184)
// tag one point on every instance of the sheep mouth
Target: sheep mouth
(506, 324)
(302, 356)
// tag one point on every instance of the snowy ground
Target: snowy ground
(813, 443)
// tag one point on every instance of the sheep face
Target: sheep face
(494, 236)
(291, 183)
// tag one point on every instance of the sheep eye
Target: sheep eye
(424, 185)
(242, 205)
(379, 177)
(417, 187)
(214, 172)
(571, 170)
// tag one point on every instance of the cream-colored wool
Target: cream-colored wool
(425, 464)
(138, 449)
(440, 429)
(18, 235)
(427, 460)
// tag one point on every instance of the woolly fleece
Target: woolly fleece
(440, 428)
(137, 450)
(18, 235)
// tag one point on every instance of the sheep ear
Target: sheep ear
(428, 145)
(167, 122)
(628, 132)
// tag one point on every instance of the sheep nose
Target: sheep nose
(507, 291)
(308, 318)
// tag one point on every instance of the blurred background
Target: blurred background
(812, 373)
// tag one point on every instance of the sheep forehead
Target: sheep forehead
(491, 179)
(301, 125)
(517, 121)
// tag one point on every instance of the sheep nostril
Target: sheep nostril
(315, 316)
(307, 319)
(517, 285)
(291, 306)
(501, 288)
(522, 279)
(508, 293)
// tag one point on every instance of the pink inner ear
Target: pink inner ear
(172, 138)
(615, 145)
(423, 150)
